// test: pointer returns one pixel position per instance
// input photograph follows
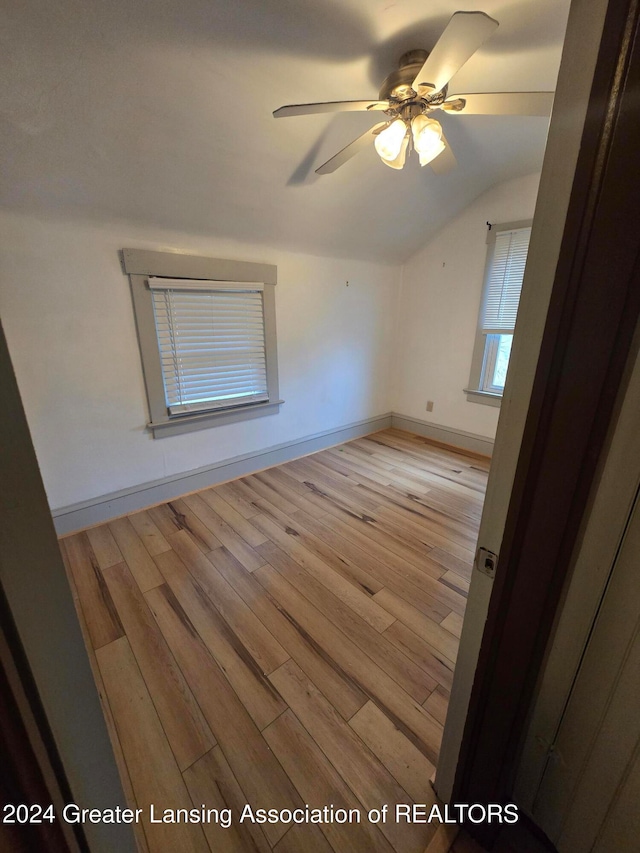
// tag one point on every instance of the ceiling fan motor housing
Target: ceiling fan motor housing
(397, 87)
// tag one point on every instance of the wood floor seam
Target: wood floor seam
(286, 638)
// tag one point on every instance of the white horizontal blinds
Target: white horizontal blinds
(212, 346)
(156, 283)
(504, 282)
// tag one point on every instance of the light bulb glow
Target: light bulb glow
(427, 158)
(427, 138)
(398, 162)
(389, 142)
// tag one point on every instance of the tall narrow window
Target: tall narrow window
(506, 259)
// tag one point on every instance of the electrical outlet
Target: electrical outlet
(429, 405)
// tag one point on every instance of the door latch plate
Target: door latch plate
(486, 562)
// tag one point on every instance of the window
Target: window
(211, 339)
(506, 259)
(206, 329)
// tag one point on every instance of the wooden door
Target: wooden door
(588, 345)
(589, 794)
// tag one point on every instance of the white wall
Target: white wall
(66, 308)
(69, 323)
(438, 312)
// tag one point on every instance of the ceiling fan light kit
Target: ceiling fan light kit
(427, 138)
(393, 141)
(388, 143)
(399, 161)
(420, 87)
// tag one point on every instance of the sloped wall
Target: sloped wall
(438, 312)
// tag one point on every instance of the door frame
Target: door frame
(600, 542)
(581, 373)
(42, 650)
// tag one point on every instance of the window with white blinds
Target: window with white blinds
(504, 281)
(508, 245)
(211, 337)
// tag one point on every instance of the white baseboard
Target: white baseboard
(106, 507)
(448, 435)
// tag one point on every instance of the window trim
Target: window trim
(140, 264)
(474, 391)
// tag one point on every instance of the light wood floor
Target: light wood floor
(285, 638)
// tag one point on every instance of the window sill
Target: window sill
(486, 398)
(203, 420)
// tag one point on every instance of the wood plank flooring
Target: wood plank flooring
(285, 639)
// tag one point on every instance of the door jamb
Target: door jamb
(593, 314)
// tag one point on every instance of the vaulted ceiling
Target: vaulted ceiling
(159, 112)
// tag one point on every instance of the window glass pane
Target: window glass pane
(502, 360)
(497, 350)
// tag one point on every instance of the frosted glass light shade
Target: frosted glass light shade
(427, 158)
(388, 143)
(427, 138)
(398, 163)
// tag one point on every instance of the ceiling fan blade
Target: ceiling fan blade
(463, 35)
(329, 107)
(502, 104)
(350, 150)
(444, 162)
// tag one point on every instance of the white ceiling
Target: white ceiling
(159, 112)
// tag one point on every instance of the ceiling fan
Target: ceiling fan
(419, 88)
